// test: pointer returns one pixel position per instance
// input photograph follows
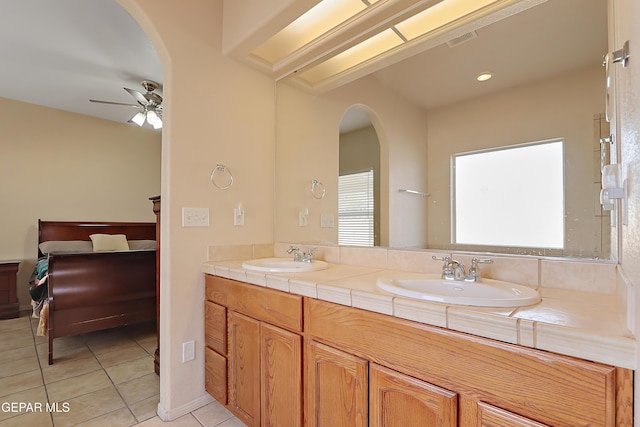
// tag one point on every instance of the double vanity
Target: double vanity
(322, 343)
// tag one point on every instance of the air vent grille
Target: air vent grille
(462, 39)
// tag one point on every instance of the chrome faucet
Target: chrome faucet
(451, 269)
(297, 255)
(474, 270)
(308, 255)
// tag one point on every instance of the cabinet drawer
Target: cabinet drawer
(271, 306)
(215, 379)
(215, 327)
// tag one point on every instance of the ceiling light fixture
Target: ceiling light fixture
(483, 77)
(148, 114)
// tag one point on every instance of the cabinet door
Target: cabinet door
(281, 368)
(244, 368)
(336, 393)
(490, 416)
(398, 400)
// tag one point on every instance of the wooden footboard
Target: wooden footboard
(94, 291)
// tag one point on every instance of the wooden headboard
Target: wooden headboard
(73, 230)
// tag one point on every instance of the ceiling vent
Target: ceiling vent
(462, 39)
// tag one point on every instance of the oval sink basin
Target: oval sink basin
(283, 265)
(488, 293)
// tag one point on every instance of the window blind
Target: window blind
(355, 209)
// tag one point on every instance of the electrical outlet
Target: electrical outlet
(195, 217)
(188, 351)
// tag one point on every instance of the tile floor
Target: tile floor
(98, 379)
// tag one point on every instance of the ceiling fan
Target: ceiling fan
(149, 105)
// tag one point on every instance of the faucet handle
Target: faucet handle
(308, 255)
(476, 261)
(474, 270)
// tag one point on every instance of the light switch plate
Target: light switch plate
(326, 221)
(195, 217)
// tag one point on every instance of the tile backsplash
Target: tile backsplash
(588, 276)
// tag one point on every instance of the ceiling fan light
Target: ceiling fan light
(138, 118)
(154, 120)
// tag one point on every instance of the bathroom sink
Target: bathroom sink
(488, 293)
(283, 265)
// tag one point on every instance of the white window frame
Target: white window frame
(356, 209)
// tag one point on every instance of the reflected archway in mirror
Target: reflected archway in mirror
(359, 180)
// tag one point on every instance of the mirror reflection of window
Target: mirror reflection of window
(355, 209)
(511, 196)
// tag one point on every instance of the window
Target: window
(511, 196)
(355, 209)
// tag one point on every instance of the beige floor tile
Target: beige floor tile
(121, 355)
(145, 409)
(130, 370)
(77, 386)
(15, 339)
(32, 396)
(149, 346)
(20, 382)
(139, 388)
(89, 406)
(35, 419)
(19, 323)
(63, 350)
(19, 366)
(16, 354)
(212, 414)
(111, 344)
(68, 368)
(232, 422)
(119, 418)
(184, 421)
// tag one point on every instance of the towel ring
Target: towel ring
(317, 189)
(222, 169)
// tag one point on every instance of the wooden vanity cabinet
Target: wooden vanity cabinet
(497, 384)
(366, 369)
(263, 352)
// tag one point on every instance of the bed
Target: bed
(90, 291)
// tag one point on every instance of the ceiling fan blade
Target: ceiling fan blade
(113, 103)
(138, 96)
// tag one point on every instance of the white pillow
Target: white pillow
(109, 242)
(65, 246)
(142, 245)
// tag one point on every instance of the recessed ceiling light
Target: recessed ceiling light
(483, 77)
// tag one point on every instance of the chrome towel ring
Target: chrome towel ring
(225, 183)
(317, 189)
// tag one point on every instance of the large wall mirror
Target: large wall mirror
(547, 84)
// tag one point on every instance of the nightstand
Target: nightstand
(9, 306)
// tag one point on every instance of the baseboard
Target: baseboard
(175, 413)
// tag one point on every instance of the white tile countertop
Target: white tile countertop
(575, 323)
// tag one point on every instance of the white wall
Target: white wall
(216, 112)
(63, 166)
(308, 148)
